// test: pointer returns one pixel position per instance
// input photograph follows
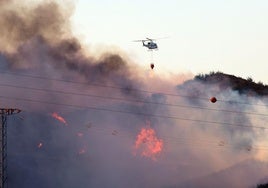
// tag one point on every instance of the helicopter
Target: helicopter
(149, 43)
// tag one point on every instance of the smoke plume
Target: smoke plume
(84, 117)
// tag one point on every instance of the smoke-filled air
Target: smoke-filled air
(102, 120)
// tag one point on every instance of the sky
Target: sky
(203, 36)
(94, 114)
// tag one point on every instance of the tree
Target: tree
(262, 185)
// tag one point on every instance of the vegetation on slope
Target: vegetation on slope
(243, 86)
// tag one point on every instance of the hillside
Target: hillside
(243, 86)
(231, 177)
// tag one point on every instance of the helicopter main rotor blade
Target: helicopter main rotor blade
(141, 40)
(161, 38)
(150, 39)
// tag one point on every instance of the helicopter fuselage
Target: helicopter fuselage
(150, 45)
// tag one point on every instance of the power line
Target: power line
(209, 144)
(180, 140)
(220, 142)
(193, 143)
(92, 84)
(136, 113)
(135, 100)
(169, 139)
(127, 88)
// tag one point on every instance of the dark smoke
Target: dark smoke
(96, 147)
(42, 35)
(21, 23)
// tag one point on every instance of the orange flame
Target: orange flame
(148, 144)
(81, 151)
(40, 145)
(80, 134)
(58, 117)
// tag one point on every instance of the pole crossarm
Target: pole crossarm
(9, 111)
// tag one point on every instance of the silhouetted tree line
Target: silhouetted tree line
(243, 86)
(262, 185)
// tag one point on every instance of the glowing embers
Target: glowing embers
(79, 134)
(40, 144)
(147, 143)
(82, 151)
(59, 118)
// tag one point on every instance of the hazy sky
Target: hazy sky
(204, 36)
(93, 120)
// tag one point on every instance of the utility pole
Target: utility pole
(4, 112)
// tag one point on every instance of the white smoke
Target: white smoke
(109, 101)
